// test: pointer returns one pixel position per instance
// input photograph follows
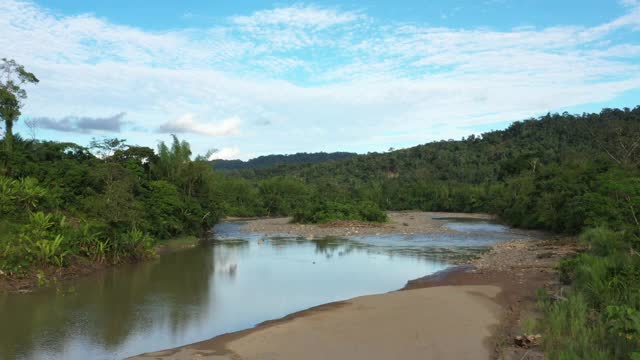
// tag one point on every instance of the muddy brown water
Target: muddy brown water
(230, 283)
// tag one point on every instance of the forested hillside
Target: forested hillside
(564, 173)
(557, 172)
(262, 162)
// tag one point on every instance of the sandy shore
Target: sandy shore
(469, 312)
(400, 222)
(398, 325)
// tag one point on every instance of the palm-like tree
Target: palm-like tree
(12, 77)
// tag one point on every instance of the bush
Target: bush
(601, 318)
(39, 242)
(19, 195)
(133, 245)
(567, 269)
(569, 333)
(603, 241)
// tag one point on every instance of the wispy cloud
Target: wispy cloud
(187, 124)
(299, 16)
(315, 72)
(630, 3)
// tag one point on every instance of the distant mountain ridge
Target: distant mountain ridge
(268, 161)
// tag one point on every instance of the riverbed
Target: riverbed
(234, 281)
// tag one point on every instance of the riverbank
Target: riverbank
(51, 275)
(520, 268)
(400, 222)
(470, 312)
(389, 326)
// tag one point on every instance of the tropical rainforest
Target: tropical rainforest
(569, 174)
(110, 201)
(267, 161)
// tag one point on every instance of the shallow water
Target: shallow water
(232, 283)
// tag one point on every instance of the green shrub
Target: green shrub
(603, 241)
(601, 318)
(133, 245)
(19, 195)
(90, 243)
(39, 242)
(569, 333)
(567, 269)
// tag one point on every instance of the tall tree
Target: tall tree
(12, 77)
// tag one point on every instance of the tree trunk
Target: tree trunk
(8, 136)
(8, 146)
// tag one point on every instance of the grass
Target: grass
(529, 326)
(570, 332)
(600, 317)
(178, 243)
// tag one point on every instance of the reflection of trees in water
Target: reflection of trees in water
(281, 242)
(107, 308)
(232, 243)
(226, 254)
(175, 291)
(330, 246)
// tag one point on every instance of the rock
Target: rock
(527, 341)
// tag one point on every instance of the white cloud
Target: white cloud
(186, 124)
(378, 84)
(630, 3)
(226, 153)
(298, 16)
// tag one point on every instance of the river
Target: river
(229, 283)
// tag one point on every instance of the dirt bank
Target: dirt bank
(410, 222)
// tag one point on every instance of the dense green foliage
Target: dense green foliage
(290, 196)
(267, 161)
(63, 203)
(558, 172)
(564, 173)
(601, 318)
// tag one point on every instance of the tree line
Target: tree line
(559, 172)
(570, 174)
(268, 161)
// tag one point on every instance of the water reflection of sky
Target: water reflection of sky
(232, 283)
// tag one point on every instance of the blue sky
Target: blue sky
(257, 77)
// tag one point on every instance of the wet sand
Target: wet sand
(445, 322)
